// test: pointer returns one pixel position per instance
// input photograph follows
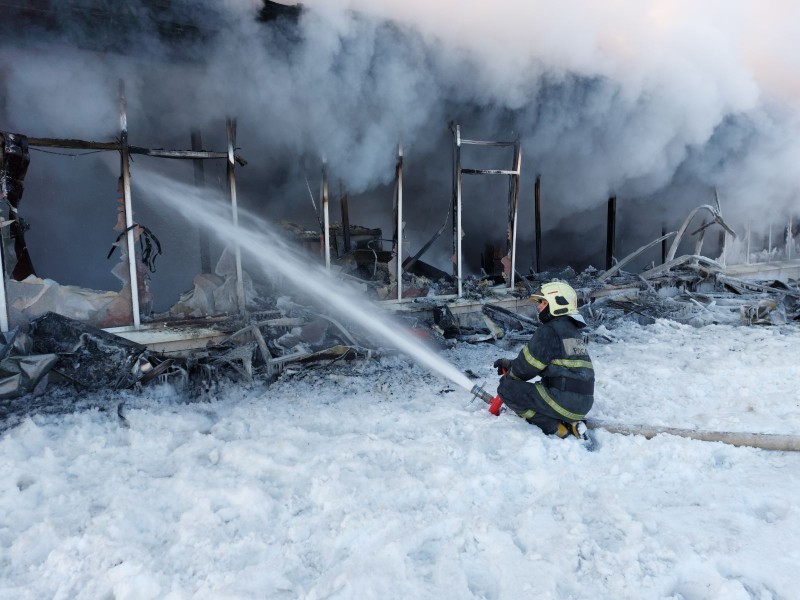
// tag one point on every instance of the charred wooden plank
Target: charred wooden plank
(75, 144)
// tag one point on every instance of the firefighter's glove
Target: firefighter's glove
(502, 365)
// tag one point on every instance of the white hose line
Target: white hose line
(765, 441)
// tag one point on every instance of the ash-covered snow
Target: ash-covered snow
(381, 480)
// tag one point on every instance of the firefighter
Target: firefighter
(557, 353)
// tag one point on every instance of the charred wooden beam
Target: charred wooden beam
(488, 172)
(507, 316)
(613, 270)
(73, 144)
(184, 154)
(702, 263)
(485, 143)
(755, 287)
(271, 11)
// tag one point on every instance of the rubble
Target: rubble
(87, 356)
(20, 371)
(214, 293)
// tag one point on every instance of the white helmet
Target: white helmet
(561, 298)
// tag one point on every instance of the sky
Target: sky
(659, 103)
(383, 480)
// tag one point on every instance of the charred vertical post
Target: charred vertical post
(747, 258)
(14, 161)
(611, 225)
(3, 301)
(513, 202)
(200, 182)
(326, 220)
(345, 208)
(663, 244)
(769, 244)
(126, 189)
(13, 167)
(537, 202)
(398, 221)
(230, 126)
(457, 207)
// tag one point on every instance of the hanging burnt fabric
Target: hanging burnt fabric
(14, 160)
(149, 246)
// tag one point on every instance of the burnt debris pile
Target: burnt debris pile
(44, 364)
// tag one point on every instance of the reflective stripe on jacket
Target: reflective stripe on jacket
(557, 349)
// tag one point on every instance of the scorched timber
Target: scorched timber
(158, 152)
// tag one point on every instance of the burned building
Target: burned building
(464, 208)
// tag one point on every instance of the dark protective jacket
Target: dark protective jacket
(557, 352)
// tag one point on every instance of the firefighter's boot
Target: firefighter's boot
(577, 430)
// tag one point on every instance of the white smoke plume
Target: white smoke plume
(659, 102)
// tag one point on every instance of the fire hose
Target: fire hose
(783, 443)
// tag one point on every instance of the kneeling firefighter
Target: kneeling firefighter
(557, 352)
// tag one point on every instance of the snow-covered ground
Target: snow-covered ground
(381, 480)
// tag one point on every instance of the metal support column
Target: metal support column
(126, 188)
(513, 201)
(398, 220)
(230, 125)
(611, 225)
(457, 208)
(345, 208)
(326, 221)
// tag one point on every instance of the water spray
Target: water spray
(270, 252)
